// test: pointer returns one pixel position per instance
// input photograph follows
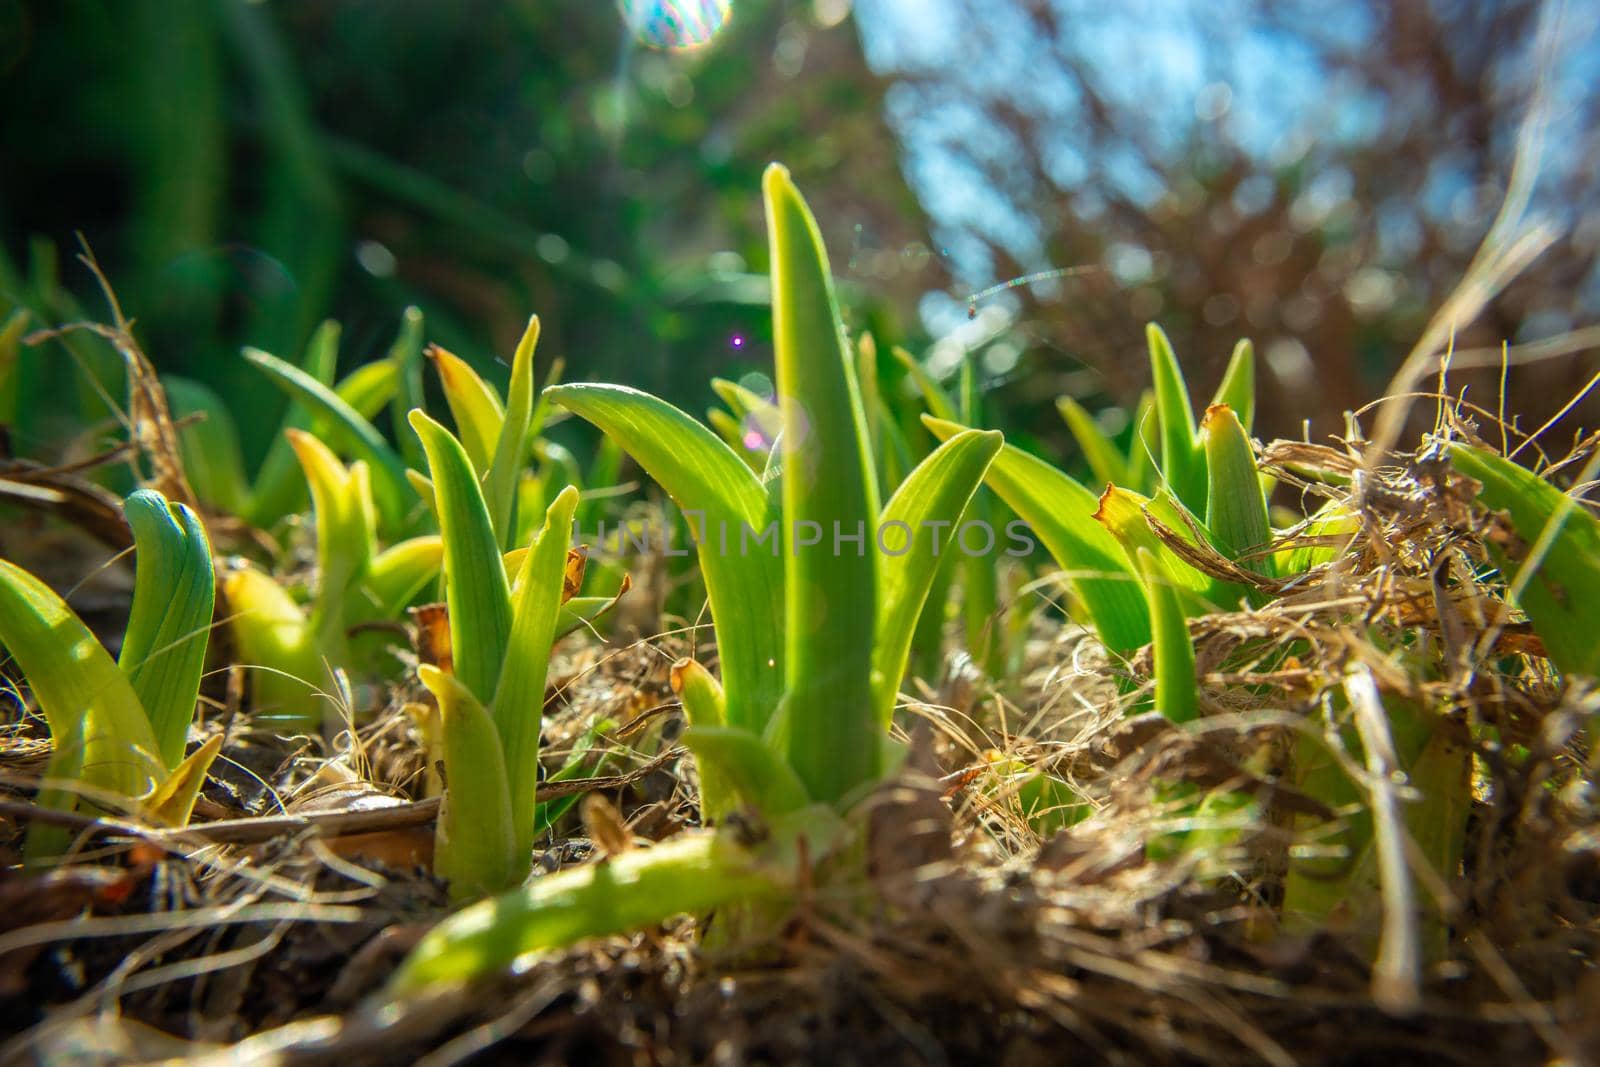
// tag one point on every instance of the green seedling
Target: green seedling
(119, 728)
(812, 643)
(491, 702)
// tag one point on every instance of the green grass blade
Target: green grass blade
(1236, 508)
(474, 405)
(519, 697)
(1181, 460)
(169, 624)
(89, 705)
(510, 447)
(937, 491)
(1060, 513)
(392, 492)
(1175, 695)
(209, 446)
(834, 739)
(476, 590)
(1555, 578)
(172, 802)
(1105, 461)
(702, 474)
(475, 848)
(369, 388)
(1238, 386)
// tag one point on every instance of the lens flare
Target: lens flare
(675, 25)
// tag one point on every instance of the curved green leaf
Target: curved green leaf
(169, 624)
(936, 492)
(1105, 462)
(392, 492)
(1060, 513)
(702, 474)
(475, 849)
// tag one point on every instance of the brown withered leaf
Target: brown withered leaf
(432, 638)
(572, 575)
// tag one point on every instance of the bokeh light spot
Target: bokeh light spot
(675, 24)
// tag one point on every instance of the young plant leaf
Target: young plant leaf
(704, 476)
(828, 485)
(1144, 445)
(695, 871)
(1182, 463)
(209, 446)
(1061, 513)
(519, 697)
(476, 589)
(95, 718)
(510, 447)
(938, 402)
(399, 573)
(936, 492)
(169, 624)
(276, 644)
(1238, 386)
(172, 801)
(406, 355)
(1555, 573)
(1174, 653)
(747, 771)
(279, 490)
(1236, 508)
(390, 489)
(474, 405)
(475, 846)
(1099, 451)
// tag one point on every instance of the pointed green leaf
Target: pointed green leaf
(936, 492)
(939, 404)
(1238, 387)
(172, 802)
(828, 485)
(1105, 462)
(476, 590)
(406, 355)
(474, 405)
(169, 624)
(702, 474)
(510, 447)
(1182, 463)
(519, 698)
(1060, 513)
(1236, 508)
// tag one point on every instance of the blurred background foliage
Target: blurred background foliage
(1316, 181)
